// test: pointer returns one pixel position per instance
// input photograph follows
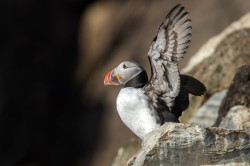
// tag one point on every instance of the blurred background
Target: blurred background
(54, 108)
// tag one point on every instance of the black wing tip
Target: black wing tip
(155, 38)
(178, 6)
(186, 14)
(193, 85)
(201, 91)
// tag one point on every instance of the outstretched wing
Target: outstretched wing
(166, 50)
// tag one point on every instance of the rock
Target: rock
(246, 126)
(208, 113)
(126, 152)
(238, 92)
(209, 48)
(217, 61)
(232, 164)
(236, 118)
(184, 144)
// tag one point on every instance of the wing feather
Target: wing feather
(167, 49)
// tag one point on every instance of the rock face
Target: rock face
(208, 113)
(236, 118)
(232, 164)
(127, 151)
(216, 62)
(184, 144)
(238, 92)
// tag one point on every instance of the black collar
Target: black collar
(138, 81)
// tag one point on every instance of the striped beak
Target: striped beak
(111, 79)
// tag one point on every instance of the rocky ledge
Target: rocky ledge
(184, 144)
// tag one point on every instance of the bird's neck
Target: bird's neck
(137, 81)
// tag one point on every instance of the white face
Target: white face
(127, 70)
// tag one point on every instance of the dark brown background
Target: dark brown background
(54, 109)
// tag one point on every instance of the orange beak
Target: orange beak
(110, 79)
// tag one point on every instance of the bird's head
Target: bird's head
(128, 74)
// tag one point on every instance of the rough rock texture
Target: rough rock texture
(238, 93)
(207, 114)
(236, 118)
(184, 144)
(127, 151)
(246, 126)
(217, 61)
(232, 164)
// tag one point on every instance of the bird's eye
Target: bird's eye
(124, 66)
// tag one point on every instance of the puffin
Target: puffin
(145, 104)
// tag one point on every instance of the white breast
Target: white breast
(136, 111)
